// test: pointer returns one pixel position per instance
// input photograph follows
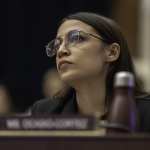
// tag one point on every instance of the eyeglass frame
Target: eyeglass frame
(55, 52)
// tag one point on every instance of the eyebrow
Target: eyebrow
(95, 35)
(77, 29)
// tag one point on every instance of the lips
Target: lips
(63, 62)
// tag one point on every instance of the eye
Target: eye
(57, 43)
(75, 37)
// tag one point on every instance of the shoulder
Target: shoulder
(46, 106)
(56, 105)
(143, 104)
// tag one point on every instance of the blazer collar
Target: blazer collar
(70, 106)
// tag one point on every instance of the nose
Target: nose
(63, 51)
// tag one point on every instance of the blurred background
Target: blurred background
(27, 26)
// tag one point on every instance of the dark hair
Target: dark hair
(110, 32)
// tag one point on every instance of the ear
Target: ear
(112, 52)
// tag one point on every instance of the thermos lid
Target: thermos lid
(124, 78)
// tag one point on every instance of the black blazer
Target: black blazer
(59, 106)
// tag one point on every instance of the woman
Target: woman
(89, 50)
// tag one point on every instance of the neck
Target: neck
(91, 97)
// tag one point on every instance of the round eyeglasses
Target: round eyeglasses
(73, 38)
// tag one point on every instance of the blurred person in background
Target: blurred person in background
(90, 49)
(5, 101)
(51, 83)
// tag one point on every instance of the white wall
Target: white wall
(143, 62)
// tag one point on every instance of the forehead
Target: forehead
(74, 25)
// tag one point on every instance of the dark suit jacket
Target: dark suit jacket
(59, 106)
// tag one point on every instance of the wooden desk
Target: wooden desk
(71, 140)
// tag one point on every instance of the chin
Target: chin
(70, 77)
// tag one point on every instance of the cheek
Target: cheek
(92, 64)
(94, 57)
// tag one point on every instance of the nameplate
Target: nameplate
(54, 122)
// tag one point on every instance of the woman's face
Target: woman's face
(83, 60)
